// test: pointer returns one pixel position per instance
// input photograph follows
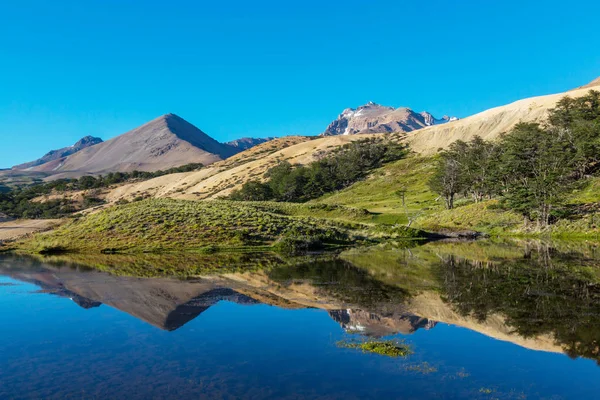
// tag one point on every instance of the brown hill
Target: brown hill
(592, 84)
(221, 178)
(488, 124)
(168, 141)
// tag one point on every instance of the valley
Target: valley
(392, 200)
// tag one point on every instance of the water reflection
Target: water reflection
(539, 296)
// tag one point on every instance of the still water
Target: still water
(483, 321)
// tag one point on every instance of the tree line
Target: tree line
(333, 171)
(18, 203)
(532, 167)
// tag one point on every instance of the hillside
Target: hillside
(168, 141)
(374, 118)
(592, 84)
(54, 155)
(247, 142)
(491, 123)
(221, 178)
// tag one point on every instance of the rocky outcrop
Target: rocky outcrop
(375, 118)
(247, 143)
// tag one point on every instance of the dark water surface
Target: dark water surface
(483, 321)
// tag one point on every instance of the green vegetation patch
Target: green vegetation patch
(337, 170)
(379, 193)
(163, 225)
(388, 348)
(485, 216)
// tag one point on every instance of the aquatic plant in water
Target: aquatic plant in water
(389, 348)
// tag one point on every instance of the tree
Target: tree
(577, 121)
(479, 160)
(253, 191)
(538, 166)
(447, 179)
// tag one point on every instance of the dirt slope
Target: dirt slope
(488, 124)
(10, 230)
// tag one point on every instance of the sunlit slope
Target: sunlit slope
(221, 178)
(488, 124)
(382, 192)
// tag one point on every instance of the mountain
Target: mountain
(222, 178)
(61, 153)
(594, 83)
(490, 124)
(165, 142)
(371, 324)
(247, 143)
(374, 118)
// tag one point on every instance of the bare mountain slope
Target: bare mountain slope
(247, 142)
(593, 84)
(167, 141)
(488, 124)
(374, 118)
(61, 153)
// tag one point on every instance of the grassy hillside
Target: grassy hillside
(378, 200)
(379, 193)
(179, 225)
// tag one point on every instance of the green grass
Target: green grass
(179, 265)
(166, 225)
(172, 225)
(393, 264)
(378, 193)
(486, 217)
(388, 348)
(587, 192)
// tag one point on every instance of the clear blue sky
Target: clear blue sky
(269, 68)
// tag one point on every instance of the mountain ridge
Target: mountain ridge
(375, 118)
(52, 155)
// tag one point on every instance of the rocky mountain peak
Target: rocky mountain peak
(87, 141)
(375, 118)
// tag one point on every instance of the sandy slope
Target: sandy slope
(14, 229)
(488, 124)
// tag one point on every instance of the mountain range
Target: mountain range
(165, 142)
(170, 141)
(375, 118)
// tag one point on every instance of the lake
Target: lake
(482, 320)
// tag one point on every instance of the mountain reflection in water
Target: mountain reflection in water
(539, 296)
(263, 326)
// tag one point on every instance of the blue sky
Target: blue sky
(271, 68)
